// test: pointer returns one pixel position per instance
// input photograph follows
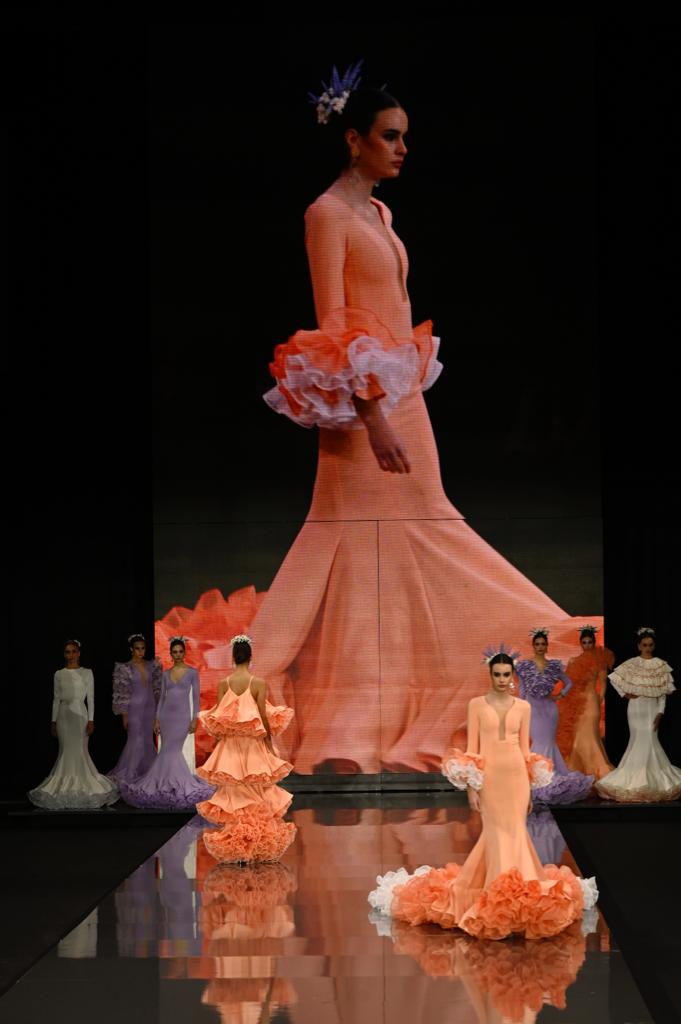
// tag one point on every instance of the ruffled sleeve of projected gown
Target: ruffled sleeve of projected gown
(247, 804)
(353, 352)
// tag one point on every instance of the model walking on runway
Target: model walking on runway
(136, 689)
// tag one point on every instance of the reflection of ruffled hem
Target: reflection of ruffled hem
(509, 906)
(564, 789)
(319, 372)
(643, 795)
(463, 770)
(255, 835)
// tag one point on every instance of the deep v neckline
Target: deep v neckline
(501, 721)
(388, 236)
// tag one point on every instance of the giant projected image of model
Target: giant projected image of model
(372, 628)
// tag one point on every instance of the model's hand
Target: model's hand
(192, 726)
(53, 728)
(268, 744)
(473, 799)
(90, 728)
(656, 721)
(390, 453)
(157, 727)
(124, 720)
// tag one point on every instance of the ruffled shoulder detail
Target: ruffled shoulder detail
(646, 677)
(353, 353)
(540, 770)
(238, 713)
(462, 769)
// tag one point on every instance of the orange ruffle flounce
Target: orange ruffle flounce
(254, 834)
(237, 718)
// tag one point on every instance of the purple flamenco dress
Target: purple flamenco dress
(536, 687)
(135, 694)
(170, 784)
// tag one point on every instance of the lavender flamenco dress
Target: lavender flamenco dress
(136, 696)
(536, 687)
(170, 784)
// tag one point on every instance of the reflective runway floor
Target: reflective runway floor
(184, 939)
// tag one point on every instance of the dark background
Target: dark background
(78, 459)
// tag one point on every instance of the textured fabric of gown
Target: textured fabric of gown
(74, 782)
(381, 556)
(645, 773)
(136, 694)
(502, 888)
(536, 687)
(169, 784)
(578, 735)
(248, 803)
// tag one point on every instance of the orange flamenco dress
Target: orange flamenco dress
(382, 559)
(248, 803)
(502, 889)
(578, 734)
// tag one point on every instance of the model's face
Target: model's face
(646, 646)
(72, 654)
(139, 649)
(382, 151)
(502, 678)
(540, 645)
(588, 643)
(177, 653)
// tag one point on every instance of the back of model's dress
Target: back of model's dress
(383, 559)
(74, 782)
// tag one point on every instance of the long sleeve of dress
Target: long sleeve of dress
(56, 698)
(90, 695)
(195, 704)
(162, 697)
(466, 769)
(325, 241)
(524, 735)
(156, 678)
(473, 730)
(661, 704)
(566, 681)
(121, 688)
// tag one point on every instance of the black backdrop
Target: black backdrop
(78, 448)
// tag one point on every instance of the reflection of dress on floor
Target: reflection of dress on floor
(645, 773)
(536, 687)
(136, 696)
(74, 782)
(579, 725)
(441, 590)
(169, 784)
(502, 889)
(248, 803)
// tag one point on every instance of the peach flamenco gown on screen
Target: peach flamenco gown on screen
(384, 562)
(502, 889)
(248, 803)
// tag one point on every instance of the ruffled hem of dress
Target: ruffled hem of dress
(73, 801)
(219, 778)
(509, 906)
(564, 789)
(219, 816)
(255, 836)
(172, 799)
(319, 372)
(643, 795)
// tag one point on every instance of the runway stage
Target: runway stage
(183, 939)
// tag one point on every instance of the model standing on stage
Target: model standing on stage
(502, 889)
(169, 783)
(380, 522)
(245, 767)
(645, 773)
(136, 689)
(74, 782)
(578, 735)
(538, 678)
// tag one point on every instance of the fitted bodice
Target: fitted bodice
(490, 729)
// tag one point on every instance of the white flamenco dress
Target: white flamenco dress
(645, 774)
(74, 782)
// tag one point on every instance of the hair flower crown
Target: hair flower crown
(539, 631)
(491, 652)
(588, 628)
(645, 631)
(241, 638)
(333, 97)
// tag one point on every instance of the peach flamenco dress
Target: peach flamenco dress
(502, 889)
(248, 803)
(383, 559)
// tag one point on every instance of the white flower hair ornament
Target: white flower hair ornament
(645, 631)
(588, 628)
(241, 638)
(333, 97)
(73, 640)
(539, 631)
(491, 652)
(178, 640)
(136, 636)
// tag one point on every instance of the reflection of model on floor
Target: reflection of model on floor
(248, 803)
(645, 773)
(381, 539)
(74, 782)
(502, 889)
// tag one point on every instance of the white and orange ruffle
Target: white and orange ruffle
(319, 372)
(463, 769)
(540, 770)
